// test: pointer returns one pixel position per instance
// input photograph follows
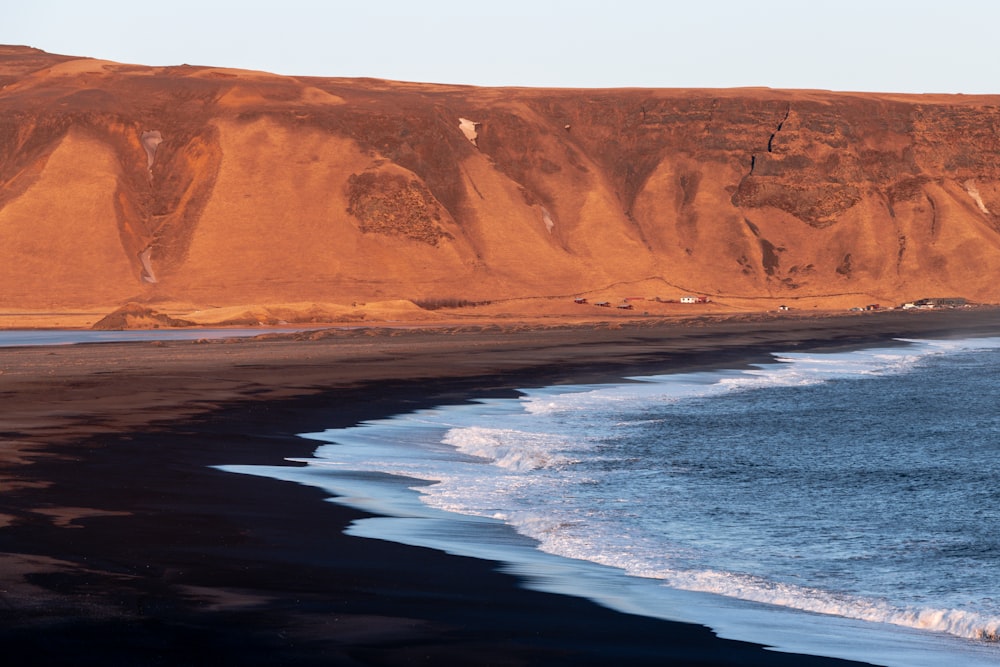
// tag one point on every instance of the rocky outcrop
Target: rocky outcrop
(138, 316)
(121, 182)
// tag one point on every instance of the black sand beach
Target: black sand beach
(119, 544)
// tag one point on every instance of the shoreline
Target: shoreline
(119, 540)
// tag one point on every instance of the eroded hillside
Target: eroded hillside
(222, 187)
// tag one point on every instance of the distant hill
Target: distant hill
(221, 187)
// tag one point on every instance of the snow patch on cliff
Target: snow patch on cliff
(151, 141)
(146, 258)
(469, 129)
(970, 187)
(547, 219)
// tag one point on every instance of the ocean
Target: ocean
(833, 503)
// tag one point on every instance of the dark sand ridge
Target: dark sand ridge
(120, 545)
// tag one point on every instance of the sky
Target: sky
(909, 46)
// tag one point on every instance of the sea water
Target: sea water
(37, 337)
(843, 504)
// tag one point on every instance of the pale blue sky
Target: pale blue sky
(873, 45)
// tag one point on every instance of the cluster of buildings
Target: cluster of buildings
(946, 302)
(626, 303)
(936, 302)
(923, 304)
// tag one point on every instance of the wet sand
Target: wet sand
(119, 544)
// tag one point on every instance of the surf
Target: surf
(557, 476)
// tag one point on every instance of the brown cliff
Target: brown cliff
(221, 187)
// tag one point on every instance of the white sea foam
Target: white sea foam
(508, 448)
(955, 622)
(531, 463)
(789, 370)
(582, 537)
(958, 623)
